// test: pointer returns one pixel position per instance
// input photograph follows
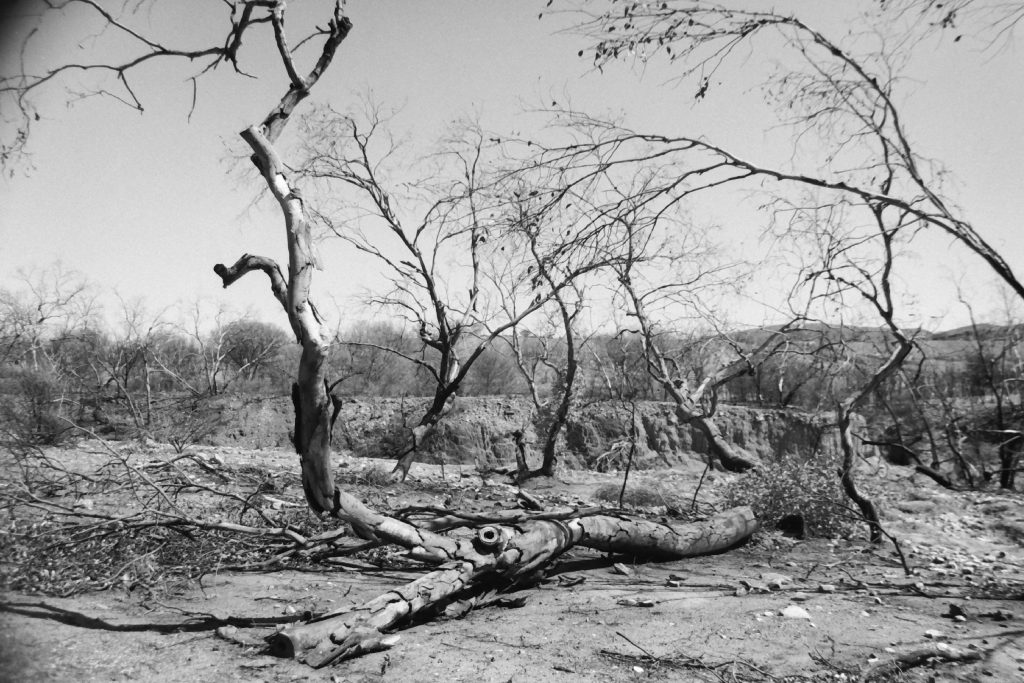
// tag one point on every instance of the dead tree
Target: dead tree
(992, 366)
(845, 100)
(437, 262)
(544, 272)
(858, 261)
(563, 369)
(313, 406)
(507, 553)
(690, 406)
(508, 549)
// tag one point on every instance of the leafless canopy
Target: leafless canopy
(111, 71)
(845, 99)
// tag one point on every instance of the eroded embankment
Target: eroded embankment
(481, 430)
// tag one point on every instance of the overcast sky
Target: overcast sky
(145, 204)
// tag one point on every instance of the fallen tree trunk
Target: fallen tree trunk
(500, 557)
(904, 660)
(509, 552)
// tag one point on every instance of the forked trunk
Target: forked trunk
(500, 557)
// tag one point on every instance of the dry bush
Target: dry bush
(641, 494)
(32, 408)
(795, 485)
(377, 477)
(148, 520)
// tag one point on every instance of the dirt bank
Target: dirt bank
(480, 431)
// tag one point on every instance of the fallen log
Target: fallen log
(920, 655)
(500, 557)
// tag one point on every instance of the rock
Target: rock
(635, 602)
(795, 612)
(752, 586)
(955, 611)
(775, 581)
(826, 588)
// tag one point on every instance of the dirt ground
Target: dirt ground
(776, 608)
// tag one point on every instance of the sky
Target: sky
(143, 204)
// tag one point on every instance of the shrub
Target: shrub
(377, 477)
(642, 494)
(32, 408)
(185, 422)
(795, 485)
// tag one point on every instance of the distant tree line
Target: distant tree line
(59, 366)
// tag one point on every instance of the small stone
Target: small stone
(826, 588)
(933, 634)
(795, 612)
(776, 581)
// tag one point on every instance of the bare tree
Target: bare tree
(685, 289)
(544, 272)
(436, 261)
(845, 99)
(253, 346)
(993, 363)
(509, 549)
(562, 364)
(365, 363)
(47, 305)
(853, 252)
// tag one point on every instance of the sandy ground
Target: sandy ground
(726, 617)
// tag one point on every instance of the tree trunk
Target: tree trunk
(501, 557)
(149, 391)
(441, 407)
(727, 454)
(522, 467)
(1009, 452)
(847, 477)
(503, 554)
(561, 416)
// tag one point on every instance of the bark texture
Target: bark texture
(499, 557)
(312, 402)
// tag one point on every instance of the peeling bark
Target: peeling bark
(500, 557)
(313, 406)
